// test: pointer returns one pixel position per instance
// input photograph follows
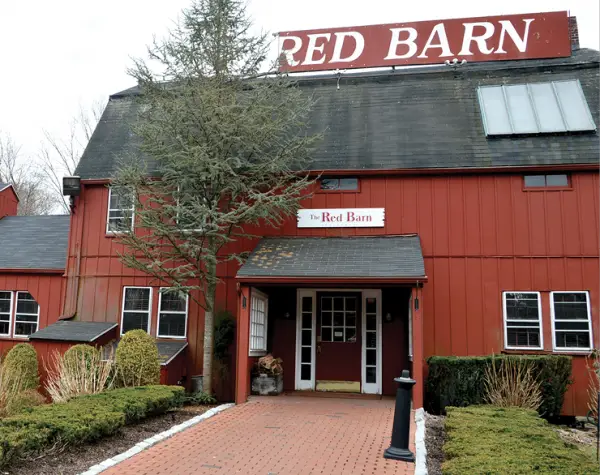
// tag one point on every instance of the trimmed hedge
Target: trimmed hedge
(488, 439)
(82, 419)
(137, 359)
(459, 381)
(21, 362)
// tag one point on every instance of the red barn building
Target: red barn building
(456, 214)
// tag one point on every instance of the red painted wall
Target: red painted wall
(8, 202)
(47, 289)
(480, 234)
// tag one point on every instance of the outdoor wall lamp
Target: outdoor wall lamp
(71, 188)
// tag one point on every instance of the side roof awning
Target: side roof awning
(376, 259)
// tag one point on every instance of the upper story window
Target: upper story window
(120, 211)
(172, 314)
(571, 320)
(546, 181)
(339, 184)
(539, 108)
(137, 304)
(5, 312)
(27, 315)
(522, 320)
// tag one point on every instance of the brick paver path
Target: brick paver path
(281, 435)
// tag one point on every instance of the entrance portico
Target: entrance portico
(342, 313)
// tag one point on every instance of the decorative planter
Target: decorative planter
(265, 385)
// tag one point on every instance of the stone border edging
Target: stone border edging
(420, 450)
(145, 444)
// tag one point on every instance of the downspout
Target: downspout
(72, 275)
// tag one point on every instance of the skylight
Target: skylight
(536, 108)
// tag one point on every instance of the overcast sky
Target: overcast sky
(62, 53)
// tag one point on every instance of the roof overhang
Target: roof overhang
(32, 271)
(364, 260)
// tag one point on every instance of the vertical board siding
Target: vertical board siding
(480, 235)
(8, 203)
(47, 289)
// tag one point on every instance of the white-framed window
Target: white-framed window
(120, 216)
(338, 318)
(259, 308)
(571, 321)
(6, 303)
(27, 315)
(522, 321)
(172, 313)
(137, 305)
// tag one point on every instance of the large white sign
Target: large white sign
(341, 218)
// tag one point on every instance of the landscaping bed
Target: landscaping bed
(77, 459)
(487, 439)
(435, 436)
(50, 427)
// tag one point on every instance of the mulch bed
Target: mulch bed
(77, 459)
(435, 437)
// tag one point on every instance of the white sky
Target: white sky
(62, 53)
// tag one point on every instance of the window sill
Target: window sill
(549, 188)
(569, 352)
(337, 191)
(165, 337)
(257, 353)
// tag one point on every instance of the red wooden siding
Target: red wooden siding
(480, 234)
(8, 202)
(47, 289)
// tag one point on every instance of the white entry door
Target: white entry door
(371, 342)
(305, 339)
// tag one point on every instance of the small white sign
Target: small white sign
(341, 218)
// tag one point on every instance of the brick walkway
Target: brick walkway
(281, 435)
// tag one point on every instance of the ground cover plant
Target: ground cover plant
(511, 441)
(82, 419)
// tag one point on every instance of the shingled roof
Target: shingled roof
(34, 242)
(83, 332)
(352, 257)
(3, 185)
(413, 118)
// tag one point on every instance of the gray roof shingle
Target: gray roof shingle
(426, 117)
(34, 242)
(3, 185)
(84, 332)
(167, 350)
(357, 257)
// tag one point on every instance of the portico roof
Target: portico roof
(377, 258)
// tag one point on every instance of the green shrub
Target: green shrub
(21, 362)
(513, 441)
(200, 398)
(224, 334)
(137, 359)
(24, 401)
(78, 353)
(82, 419)
(459, 381)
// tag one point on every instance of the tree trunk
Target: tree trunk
(209, 327)
(209, 323)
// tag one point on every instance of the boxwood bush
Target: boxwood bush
(137, 359)
(488, 439)
(82, 419)
(21, 362)
(459, 381)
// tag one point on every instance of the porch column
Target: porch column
(242, 379)
(417, 344)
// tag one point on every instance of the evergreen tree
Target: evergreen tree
(220, 149)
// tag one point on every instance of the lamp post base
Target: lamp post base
(399, 454)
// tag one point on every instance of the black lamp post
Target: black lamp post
(398, 450)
